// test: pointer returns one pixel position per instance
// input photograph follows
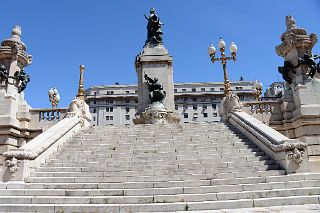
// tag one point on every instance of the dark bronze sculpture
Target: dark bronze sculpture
(286, 69)
(21, 76)
(3, 72)
(155, 34)
(24, 78)
(156, 92)
(310, 61)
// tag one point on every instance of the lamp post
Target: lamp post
(54, 97)
(257, 89)
(80, 94)
(223, 59)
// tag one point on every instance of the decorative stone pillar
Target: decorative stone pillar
(14, 111)
(155, 61)
(300, 104)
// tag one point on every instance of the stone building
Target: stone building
(194, 102)
(276, 89)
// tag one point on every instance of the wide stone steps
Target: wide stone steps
(157, 169)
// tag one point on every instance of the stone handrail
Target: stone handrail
(49, 114)
(20, 162)
(289, 153)
(260, 106)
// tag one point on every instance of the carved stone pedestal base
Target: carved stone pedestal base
(156, 113)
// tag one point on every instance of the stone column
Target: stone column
(14, 111)
(155, 61)
(300, 105)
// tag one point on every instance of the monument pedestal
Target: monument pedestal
(155, 62)
(14, 110)
(298, 114)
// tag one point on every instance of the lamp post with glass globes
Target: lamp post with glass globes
(257, 89)
(54, 97)
(223, 59)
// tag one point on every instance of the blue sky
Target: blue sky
(106, 36)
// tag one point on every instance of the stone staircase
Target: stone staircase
(158, 168)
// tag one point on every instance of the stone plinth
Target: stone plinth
(156, 113)
(14, 110)
(299, 109)
(156, 62)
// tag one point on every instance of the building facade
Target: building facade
(276, 89)
(194, 102)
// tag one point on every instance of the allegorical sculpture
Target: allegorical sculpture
(310, 62)
(286, 70)
(156, 92)
(21, 76)
(154, 35)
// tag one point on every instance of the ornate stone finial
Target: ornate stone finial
(290, 23)
(80, 94)
(16, 31)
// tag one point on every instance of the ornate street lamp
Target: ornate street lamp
(54, 97)
(223, 59)
(80, 94)
(257, 89)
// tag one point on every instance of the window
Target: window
(127, 92)
(205, 115)
(204, 106)
(127, 109)
(194, 99)
(111, 118)
(213, 99)
(94, 102)
(111, 92)
(238, 88)
(94, 118)
(203, 89)
(175, 90)
(221, 89)
(108, 101)
(107, 118)
(109, 109)
(184, 90)
(95, 93)
(193, 89)
(176, 107)
(185, 107)
(195, 107)
(185, 115)
(185, 99)
(127, 101)
(215, 114)
(127, 117)
(94, 110)
(136, 91)
(214, 106)
(241, 97)
(212, 89)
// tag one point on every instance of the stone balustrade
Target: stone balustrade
(44, 118)
(289, 153)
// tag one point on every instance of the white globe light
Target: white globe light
(211, 50)
(233, 47)
(55, 91)
(50, 92)
(221, 44)
(257, 85)
(58, 97)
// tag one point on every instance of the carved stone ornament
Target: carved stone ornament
(78, 108)
(12, 164)
(296, 155)
(230, 103)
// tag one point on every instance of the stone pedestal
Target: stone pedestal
(155, 61)
(14, 110)
(298, 114)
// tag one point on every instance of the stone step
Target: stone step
(180, 177)
(145, 199)
(164, 207)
